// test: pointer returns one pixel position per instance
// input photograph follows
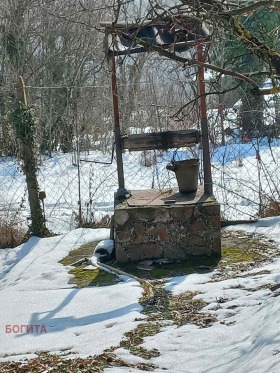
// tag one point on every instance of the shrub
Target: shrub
(272, 209)
(11, 233)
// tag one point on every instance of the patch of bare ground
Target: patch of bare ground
(243, 252)
(46, 362)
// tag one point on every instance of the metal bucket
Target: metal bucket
(186, 174)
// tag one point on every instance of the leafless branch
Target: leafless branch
(194, 62)
(252, 7)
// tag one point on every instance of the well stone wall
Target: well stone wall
(175, 231)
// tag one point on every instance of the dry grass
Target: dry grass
(272, 209)
(11, 234)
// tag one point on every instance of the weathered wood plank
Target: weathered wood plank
(160, 140)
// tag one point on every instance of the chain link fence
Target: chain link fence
(80, 182)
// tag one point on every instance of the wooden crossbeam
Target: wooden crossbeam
(161, 140)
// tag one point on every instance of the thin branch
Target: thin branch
(193, 62)
(81, 23)
(252, 7)
(206, 94)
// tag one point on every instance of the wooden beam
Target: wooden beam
(166, 21)
(160, 140)
(139, 49)
(111, 26)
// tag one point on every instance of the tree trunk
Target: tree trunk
(37, 227)
(24, 126)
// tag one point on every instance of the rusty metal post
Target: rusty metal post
(122, 192)
(208, 184)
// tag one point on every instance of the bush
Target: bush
(11, 233)
(272, 209)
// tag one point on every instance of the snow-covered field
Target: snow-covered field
(34, 290)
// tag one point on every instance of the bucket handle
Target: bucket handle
(171, 167)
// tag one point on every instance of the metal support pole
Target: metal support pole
(222, 116)
(122, 192)
(208, 184)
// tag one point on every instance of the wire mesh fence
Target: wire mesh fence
(80, 179)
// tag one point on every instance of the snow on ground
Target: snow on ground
(246, 336)
(34, 290)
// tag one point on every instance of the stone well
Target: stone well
(153, 225)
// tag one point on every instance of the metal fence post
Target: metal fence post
(122, 192)
(208, 184)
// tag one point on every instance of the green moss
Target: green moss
(84, 277)
(236, 254)
(182, 267)
(231, 255)
(80, 253)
